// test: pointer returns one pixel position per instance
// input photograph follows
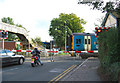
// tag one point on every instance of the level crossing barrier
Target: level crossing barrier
(95, 51)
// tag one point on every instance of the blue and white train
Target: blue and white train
(82, 42)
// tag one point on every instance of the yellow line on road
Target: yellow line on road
(62, 74)
(65, 73)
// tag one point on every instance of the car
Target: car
(8, 57)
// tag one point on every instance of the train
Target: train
(82, 42)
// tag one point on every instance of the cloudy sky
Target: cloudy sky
(35, 15)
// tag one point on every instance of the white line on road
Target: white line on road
(10, 70)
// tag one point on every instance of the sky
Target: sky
(36, 15)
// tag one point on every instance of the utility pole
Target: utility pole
(65, 36)
(3, 44)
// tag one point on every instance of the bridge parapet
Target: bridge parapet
(13, 28)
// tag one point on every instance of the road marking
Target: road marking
(62, 74)
(10, 69)
(65, 73)
(76, 69)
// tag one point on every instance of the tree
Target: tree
(8, 20)
(36, 41)
(70, 22)
(12, 37)
(110, 6)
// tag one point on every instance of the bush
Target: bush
(106, 62)
(109, 52)
(108, 45)
(114, 70)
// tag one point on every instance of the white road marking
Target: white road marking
(10, 70)
(57, 70)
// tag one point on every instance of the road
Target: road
(47, 72)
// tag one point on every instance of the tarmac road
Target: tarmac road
(47, 72)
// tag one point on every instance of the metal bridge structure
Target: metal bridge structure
(19, 31)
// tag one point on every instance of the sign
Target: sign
(3, 34)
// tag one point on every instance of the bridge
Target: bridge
(19, 31)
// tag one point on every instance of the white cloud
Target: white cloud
(35, 15)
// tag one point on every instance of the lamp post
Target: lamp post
(65, 37)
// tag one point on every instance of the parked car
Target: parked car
(8, 57)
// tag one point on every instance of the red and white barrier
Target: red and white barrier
(57, 51)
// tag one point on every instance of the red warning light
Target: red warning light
(105, 30)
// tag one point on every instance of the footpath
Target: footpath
(87, 71)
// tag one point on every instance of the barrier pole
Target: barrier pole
(3, 44)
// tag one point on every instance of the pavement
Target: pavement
(87, 71)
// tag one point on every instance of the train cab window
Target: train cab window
(78, 41)
(85, 41)
(88, 41)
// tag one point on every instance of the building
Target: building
(111, 20)
(11, 45)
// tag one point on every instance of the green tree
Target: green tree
(12, 37)
(8, 20)
(37, 41)
(110, 6)
(70, 22)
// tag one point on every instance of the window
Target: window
(2, 51)
(88, 41)
(8, 51)
(78, 41)
(85, 41)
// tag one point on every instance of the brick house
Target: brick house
(11, 45)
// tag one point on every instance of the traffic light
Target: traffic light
(99, 30)
(4, 34)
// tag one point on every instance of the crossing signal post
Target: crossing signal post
(3, 35)
(99, 30)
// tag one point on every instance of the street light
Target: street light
(65, 37)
